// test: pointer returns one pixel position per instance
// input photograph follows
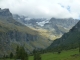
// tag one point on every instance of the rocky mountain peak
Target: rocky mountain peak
(5, 13)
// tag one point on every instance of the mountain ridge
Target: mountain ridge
(52, 28)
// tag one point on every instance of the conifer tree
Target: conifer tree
(21, 53)
(37, 55)
(11, 55)
(79, 43)
(17, 53)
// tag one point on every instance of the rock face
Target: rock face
(9, 40)
(5, 13)
(60, 26)
(13, 33)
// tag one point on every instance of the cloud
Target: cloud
(43, 8)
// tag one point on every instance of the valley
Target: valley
(41, 38)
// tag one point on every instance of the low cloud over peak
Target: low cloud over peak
(43, 8)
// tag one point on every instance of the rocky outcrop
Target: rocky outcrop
(60, 26)
(5, 13)
(9, 40)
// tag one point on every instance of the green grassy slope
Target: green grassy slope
(65, 55)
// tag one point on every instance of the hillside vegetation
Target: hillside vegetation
(72, 54)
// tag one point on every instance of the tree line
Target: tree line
(23, 55)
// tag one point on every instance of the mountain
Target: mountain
(13, 33)
(32, 33)
(69, 40)
(60, 26)
(34, 22)
(5, 13)
(51, 28)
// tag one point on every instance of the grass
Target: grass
(65, 55)
(6, 59)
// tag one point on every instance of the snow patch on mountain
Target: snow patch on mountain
(27, 18)
(42, 23)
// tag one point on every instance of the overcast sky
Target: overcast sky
(43, 8)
